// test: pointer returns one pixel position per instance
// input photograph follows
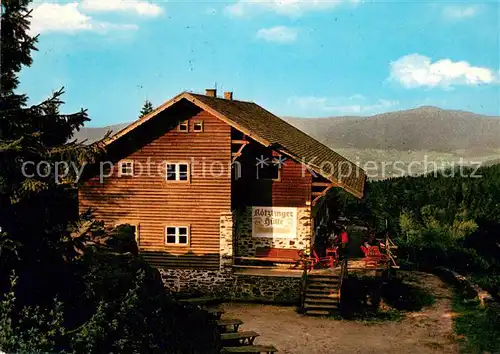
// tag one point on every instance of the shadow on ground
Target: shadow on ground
(368, 298)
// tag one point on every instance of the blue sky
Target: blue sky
(302, 58)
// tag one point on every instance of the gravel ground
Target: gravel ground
(427, 331)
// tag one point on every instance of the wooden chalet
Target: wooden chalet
(211, 182)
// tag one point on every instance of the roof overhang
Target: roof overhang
(187, 96)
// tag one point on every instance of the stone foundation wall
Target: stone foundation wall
(192, 281)
(246, 244)
(282, 290)
(230, 287)
(227, 232)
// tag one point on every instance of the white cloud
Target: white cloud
(460, 12)
(54, 17)
(140, 7)
(48, 17)
(107, 26)
(355, 104)
(415, 70)
(283, 7)
(279, 34)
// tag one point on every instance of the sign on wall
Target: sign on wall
(274, 222)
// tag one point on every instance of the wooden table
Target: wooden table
(239, 338)
(224, 324)
(250, 349)
(200, 301)
(215, 312)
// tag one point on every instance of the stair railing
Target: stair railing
(389, 244)
(343, 271)
(303, 288)
(343, 274)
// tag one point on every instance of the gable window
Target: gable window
(176, 235)
(126, 168)
(183, 127)
(177, 171)
(270, 173)
(198, 127)
(270, 170)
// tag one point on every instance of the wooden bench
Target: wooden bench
(224, 324)
(251, 349)
(239, 338)
(276, 255)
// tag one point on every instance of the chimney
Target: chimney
(211, 92)
(228, 96)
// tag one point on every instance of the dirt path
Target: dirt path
(426, 331)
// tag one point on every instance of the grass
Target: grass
(479, 327)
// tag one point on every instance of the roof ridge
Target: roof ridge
(221, 98)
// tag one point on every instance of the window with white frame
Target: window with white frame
(176, 235)
(183, 127)
(198, 126)
(177, 171)
(135, 229)
(129, 227)
(126, 168)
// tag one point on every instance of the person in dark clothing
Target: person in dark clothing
(370, 239)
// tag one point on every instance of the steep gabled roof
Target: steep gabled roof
(270, 130)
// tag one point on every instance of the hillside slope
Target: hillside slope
(424, 128)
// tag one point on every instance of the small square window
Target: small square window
(177, 235)
(198, 127)
(126, 168)
(183, 127)
(177, 172)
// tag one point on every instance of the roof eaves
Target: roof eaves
(144, 119)
(357, 193)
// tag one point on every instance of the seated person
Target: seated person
(370, 240)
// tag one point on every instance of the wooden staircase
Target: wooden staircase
(322, 293)
(321, 290)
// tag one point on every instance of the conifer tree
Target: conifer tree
(96, 302)
(146, 108)
(34, 140)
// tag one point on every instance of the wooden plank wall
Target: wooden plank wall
(294, 187)
(153, 203)
(292, 190)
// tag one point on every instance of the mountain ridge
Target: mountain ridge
(422, 128)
